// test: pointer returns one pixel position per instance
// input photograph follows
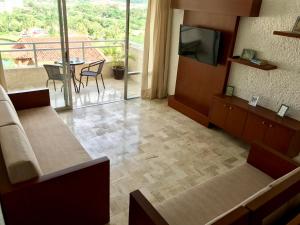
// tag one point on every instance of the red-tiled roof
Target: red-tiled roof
(91, 54)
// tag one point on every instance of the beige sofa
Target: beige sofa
(46, 177)
(258, 192)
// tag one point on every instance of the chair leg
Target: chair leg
(87, 81)
(54, 85)
(97, 84)
(62, 87)
(102, 80)
(80, 83)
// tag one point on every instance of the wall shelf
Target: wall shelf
(248, 63)
(287, 34)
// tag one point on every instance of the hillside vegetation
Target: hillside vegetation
(105, 21)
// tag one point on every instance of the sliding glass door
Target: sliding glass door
(50, 43)
(136, 21)
(34, 48)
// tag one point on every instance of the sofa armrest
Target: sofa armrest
(78, 195)
(30, 99)
(272, 200)
(141, 211)
(270, 161)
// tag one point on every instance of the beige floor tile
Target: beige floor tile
(152, 148)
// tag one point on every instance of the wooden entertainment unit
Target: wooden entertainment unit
(200, 87)
(197, 82)
(250, 123)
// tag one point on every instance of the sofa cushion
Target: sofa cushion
(8, 115)
(54, 145)
(20, 160)
(4, 96)
(206, 201)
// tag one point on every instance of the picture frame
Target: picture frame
(254, 100)
(248, 54)
(296, 28)
(229, 90)
(282, 110)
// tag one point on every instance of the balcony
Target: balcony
(23, 69)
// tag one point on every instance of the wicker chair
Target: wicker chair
(87, 72)
(54, 74)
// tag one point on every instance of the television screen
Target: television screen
(200, 44)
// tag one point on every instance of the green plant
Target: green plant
(118, 58)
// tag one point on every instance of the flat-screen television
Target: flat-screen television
(200, 44)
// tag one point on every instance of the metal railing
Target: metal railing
(83, 47)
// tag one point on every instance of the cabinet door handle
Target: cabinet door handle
(270, 125)
(263, 122)
(230, 108)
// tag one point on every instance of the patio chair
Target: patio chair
(87, 72)
(54, 74)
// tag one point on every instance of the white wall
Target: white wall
(277, 86)
(177, 20)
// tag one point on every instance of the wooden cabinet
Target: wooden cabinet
(218, 113)
(255, 129)
(229, 117)
(235, 121)
(256, 124)
(275, 136)
(279, 137)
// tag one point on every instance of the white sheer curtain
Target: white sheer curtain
(157, 49)
(2, 78)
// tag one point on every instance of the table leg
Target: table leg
(74, 79)
(80, 82)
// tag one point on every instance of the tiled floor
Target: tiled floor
(89, 95)
(152, 148)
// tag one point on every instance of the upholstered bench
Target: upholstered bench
(257, 192)
(46, 176)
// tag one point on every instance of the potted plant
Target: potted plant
(118, 64)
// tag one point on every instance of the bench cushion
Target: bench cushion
(20, 160)
(54, 145)
(206, 201)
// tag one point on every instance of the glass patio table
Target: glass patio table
(73, 64)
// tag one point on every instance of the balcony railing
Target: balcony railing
(83, 46)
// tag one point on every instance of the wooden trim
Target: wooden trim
(141, 212)
(272, 200)
(30, 99)
(228, 7)
(270, 161)
(239, 216)
(198, 115)
(251, 64)
(287, 34)
(77, 195)
(295, 221)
